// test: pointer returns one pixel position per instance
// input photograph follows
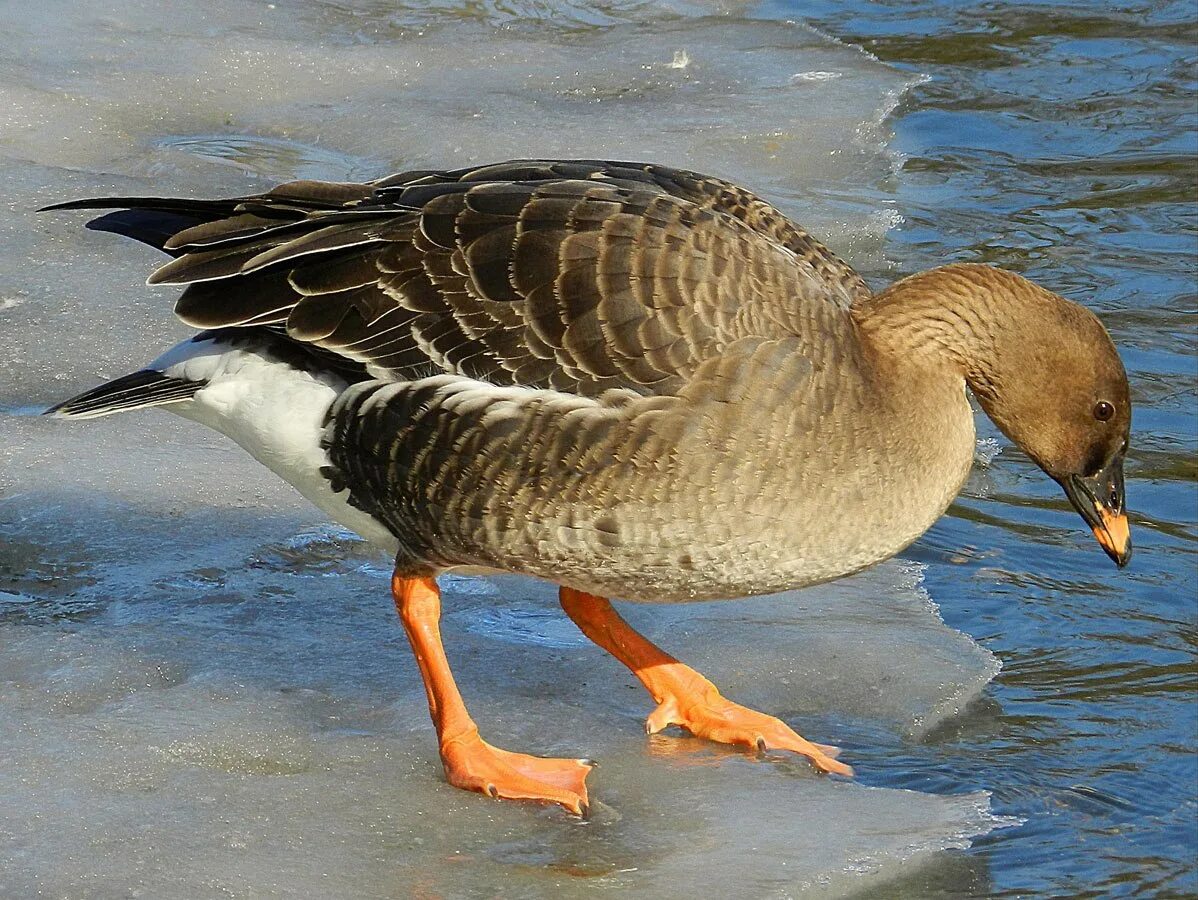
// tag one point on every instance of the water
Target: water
(204, 693)
(1059, 140)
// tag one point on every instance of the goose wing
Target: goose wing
(573, 275)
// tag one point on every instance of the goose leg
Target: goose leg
(470, 762)
(684, 697)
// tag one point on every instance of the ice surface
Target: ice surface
(203, 691)
(217, 700)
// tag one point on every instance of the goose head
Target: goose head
(1057, 388)
(1042, 367)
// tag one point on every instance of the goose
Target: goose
(631, 380)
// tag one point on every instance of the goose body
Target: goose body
(590, 524)
(631, 380)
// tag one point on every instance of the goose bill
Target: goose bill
(1099, 499)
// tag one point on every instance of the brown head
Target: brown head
(1043, 368)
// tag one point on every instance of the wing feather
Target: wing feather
(578, 275)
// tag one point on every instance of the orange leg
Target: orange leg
(470, 762)
(684, 697)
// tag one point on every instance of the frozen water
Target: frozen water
(187, 719)
(203, 691)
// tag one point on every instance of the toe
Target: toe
(830, 765)
(663, 717)
(822, 756)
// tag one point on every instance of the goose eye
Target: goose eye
(1103, 411)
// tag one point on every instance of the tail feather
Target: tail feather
(151, 220)
(138, 390)
(150, 226)
(209, 209)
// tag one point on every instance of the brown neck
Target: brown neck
(956, 319)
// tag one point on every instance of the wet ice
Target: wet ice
(230, 719)
(203, 690)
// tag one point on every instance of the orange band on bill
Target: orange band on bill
(1114, 533)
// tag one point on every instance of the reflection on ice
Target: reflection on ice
(529, 625)
(273, 158)
(204, 693)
